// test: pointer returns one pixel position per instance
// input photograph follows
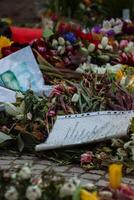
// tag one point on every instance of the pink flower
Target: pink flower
(86, 158)
(57, 91)
(125, 192)
(51, 113)
(123, 44)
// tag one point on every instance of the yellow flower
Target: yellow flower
(5, 42)
(85, 195)
(115, 175)
(119, 75)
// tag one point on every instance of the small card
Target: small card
(71, 130)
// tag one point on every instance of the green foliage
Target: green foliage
(113, 8)
(66, 8)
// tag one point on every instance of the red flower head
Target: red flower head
(86, 158)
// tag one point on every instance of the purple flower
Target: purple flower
(110, 33)
(96, 29)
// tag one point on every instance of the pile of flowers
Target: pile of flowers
(21, 185)
(90, 71)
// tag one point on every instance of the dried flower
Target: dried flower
(33, 192)
(115, 175)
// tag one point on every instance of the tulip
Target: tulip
(115, 175)
(91, 48)
(104, 42)
(123, 43)
(88, 195)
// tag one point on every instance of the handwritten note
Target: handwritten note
(78, 129)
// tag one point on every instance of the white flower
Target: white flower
(75, 98)
(98, 70)
(67, 190)
(118, 21)
(112, 22)
(91, 47)
(11, 194)
(25, 173)
(104, 42)
(106, 24)
(117, 29)
(61, 50)
(109, 48)
(61, 41)
(113, 68)
(33, 192)
(54, 43)
(129, 48)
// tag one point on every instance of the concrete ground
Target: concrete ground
(99, 177)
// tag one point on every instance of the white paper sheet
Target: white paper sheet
(78, 129)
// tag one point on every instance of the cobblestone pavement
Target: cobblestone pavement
(99, 177)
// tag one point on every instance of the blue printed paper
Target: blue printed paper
(20, 72)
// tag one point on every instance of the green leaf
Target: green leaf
(47, 33)
(76, 195)
(11, 109)
(4, 137)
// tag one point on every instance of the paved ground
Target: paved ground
(99, 177)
